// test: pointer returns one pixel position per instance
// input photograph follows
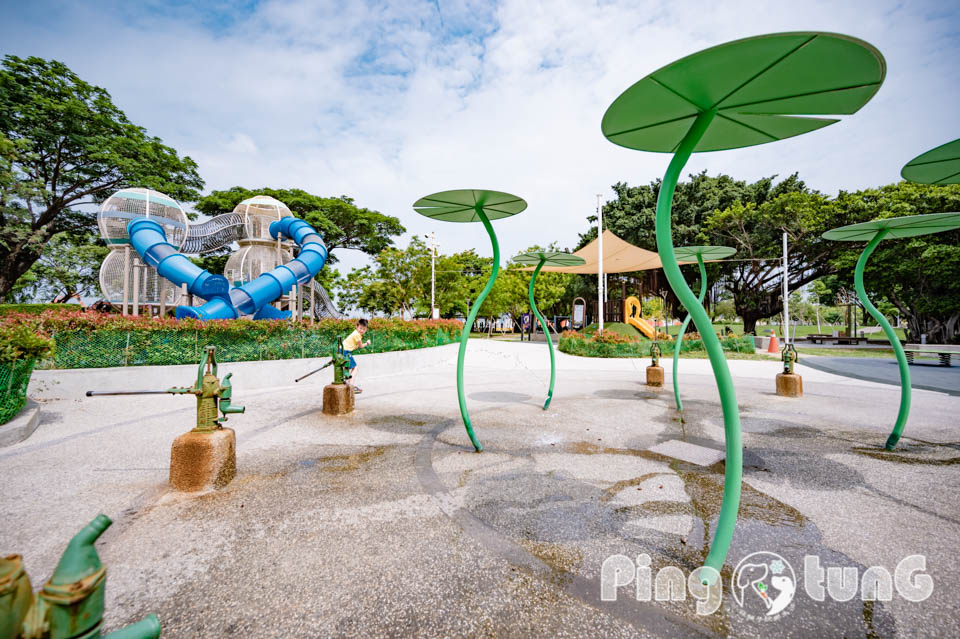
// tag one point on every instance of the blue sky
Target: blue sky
(387, 102)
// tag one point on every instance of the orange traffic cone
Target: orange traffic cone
(774, 345)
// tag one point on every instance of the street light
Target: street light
(434, 311)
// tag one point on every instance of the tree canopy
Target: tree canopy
(63, 143)
(339, 221)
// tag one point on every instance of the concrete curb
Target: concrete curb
(21, 426)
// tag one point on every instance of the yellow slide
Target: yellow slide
(631, 315)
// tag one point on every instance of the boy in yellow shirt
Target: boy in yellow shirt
(352, 343)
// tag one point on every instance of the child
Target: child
(352, 343)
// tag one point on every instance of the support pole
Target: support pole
(786, 294)
(733, 474)
(600, 281)
(546, 331)
(465, 334)
(126, 278)
(136, 290)
(683, 329)
(904, 412)
(162, 285)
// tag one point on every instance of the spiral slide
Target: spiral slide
(253, 298)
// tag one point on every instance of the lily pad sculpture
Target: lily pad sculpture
(541, 259)
(872, 233)
(937, 166)
(471, 205)
(689, 254)
(752, 91)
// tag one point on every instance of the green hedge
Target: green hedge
(36, 309)
(89, 340)
(575, 345)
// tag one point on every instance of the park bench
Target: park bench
(817, 338)
(942, 351)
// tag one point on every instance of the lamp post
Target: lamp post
(600, 282)
(434, 314)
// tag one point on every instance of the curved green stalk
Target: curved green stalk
(894, 340)
(733, 473)
(683, 329)
(465, 335)
(546, 331)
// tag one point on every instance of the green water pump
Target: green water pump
(655, 353)
(70, 605)
(340, 363)
(789, 356)
(213, 396)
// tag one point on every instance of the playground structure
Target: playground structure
(71, 603)
(130, 280)
(541, 259)
(632, 316)
(206, 456)
(471, 205)
(742, 93)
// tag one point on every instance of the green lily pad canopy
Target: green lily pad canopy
(896, 227)
(541, 259)
(471, 205)
(937, 166)
(762, 89)
(705, 253)
(461, 205)
(549, 258)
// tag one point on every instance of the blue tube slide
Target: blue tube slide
(253, 298)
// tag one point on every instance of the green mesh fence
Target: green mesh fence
(106, 348)
(14, 378)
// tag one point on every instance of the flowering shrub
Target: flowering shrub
(20, 341)
(613, 345)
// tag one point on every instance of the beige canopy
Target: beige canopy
(618, 257)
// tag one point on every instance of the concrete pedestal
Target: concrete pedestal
(655, 376)
(789, 385)
(337, 399)
(202, 461)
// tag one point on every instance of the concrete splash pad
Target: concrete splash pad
(384, 522)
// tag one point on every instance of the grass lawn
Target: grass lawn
(802, 331)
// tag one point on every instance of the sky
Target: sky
(389, 101)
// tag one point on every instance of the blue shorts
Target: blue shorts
(353, 362)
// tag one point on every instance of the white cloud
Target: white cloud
(381, 102)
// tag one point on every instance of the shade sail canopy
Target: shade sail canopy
(618, 257)
(937, 166)
(906, 226)
(550, 258)
(462, 205)
(762, 89)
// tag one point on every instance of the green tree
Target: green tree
(67, 270)
(756, 231)
(63, 144)
(339, 221)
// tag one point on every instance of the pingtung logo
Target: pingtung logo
(764, 585)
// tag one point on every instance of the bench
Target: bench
(817, 338)
(941, 351)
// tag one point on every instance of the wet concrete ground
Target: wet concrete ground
(385, 523)
(926, 373)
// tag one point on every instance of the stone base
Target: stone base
(789, 385)
(655, 376)
(202, 461)
(337, 399)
